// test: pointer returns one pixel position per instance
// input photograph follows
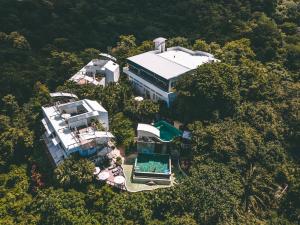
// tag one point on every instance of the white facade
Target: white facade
(98, 72)
(154, 73)
(71, 127)
(147, 130)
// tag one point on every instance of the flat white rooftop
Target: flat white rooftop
(184, 58)
(60, 124)
(149, 129)
(173, 62)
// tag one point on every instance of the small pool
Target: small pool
(167, 131)
(152, 163)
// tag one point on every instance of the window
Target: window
(149, 76)
(133, 69)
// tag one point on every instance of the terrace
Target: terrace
(80, 126)
(131, 186)
(97, 72)
(113, 174)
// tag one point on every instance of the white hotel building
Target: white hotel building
(70, 128)
(154, 73)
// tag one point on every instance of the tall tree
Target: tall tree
(59, 207)
(74, 172)
(123, 130)
(213, 89)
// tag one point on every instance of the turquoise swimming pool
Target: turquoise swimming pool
(167, 131)
(152, 163)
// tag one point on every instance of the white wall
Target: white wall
(112, 73)
(147, 86)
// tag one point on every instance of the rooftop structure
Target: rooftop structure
(63, 95)
(155, 73)
(98, 72)
(79, 126)
(161, 131)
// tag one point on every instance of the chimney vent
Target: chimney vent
(160, 44)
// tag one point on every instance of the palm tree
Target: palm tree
(258, 190)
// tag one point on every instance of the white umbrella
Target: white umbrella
(97, 170)
(119, 179)
(103, 175)
(139, 99)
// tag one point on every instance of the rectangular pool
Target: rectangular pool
(152, 164)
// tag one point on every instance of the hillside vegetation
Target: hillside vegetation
(243, 111)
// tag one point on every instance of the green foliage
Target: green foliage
(141, 111)
(15, 137)
(136, 210)
(66, 63)
(88, 54)
(290, 206)
(14, 39)
(125, 48)
(59, 207)
(123, 130)
(258, 190)
(74, 172)
(212, 193)
(180, 220)
(201, 45)
(212, 89)
(258, 82)
(266, 38)
(293, 56)
(243, 111)
(15, 199)
(264, 118)
(178, 41)
(113, 97)
(234, 52)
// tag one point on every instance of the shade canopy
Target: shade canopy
(97, 170)
(103, 175)
(139, 98)
(119, 179)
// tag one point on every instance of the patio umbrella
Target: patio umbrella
(119, 179)
(97, 170)
(103, 175)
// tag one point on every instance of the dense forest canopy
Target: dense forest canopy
(243, 112)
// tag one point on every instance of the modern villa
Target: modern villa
(155, 73)
(75, 127)
(153, 163)
(98, 72)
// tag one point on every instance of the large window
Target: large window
(149, 76)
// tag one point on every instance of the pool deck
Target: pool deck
(135, 187)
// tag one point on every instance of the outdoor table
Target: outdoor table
(103, 175)
(97, 170)
(119, 179)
